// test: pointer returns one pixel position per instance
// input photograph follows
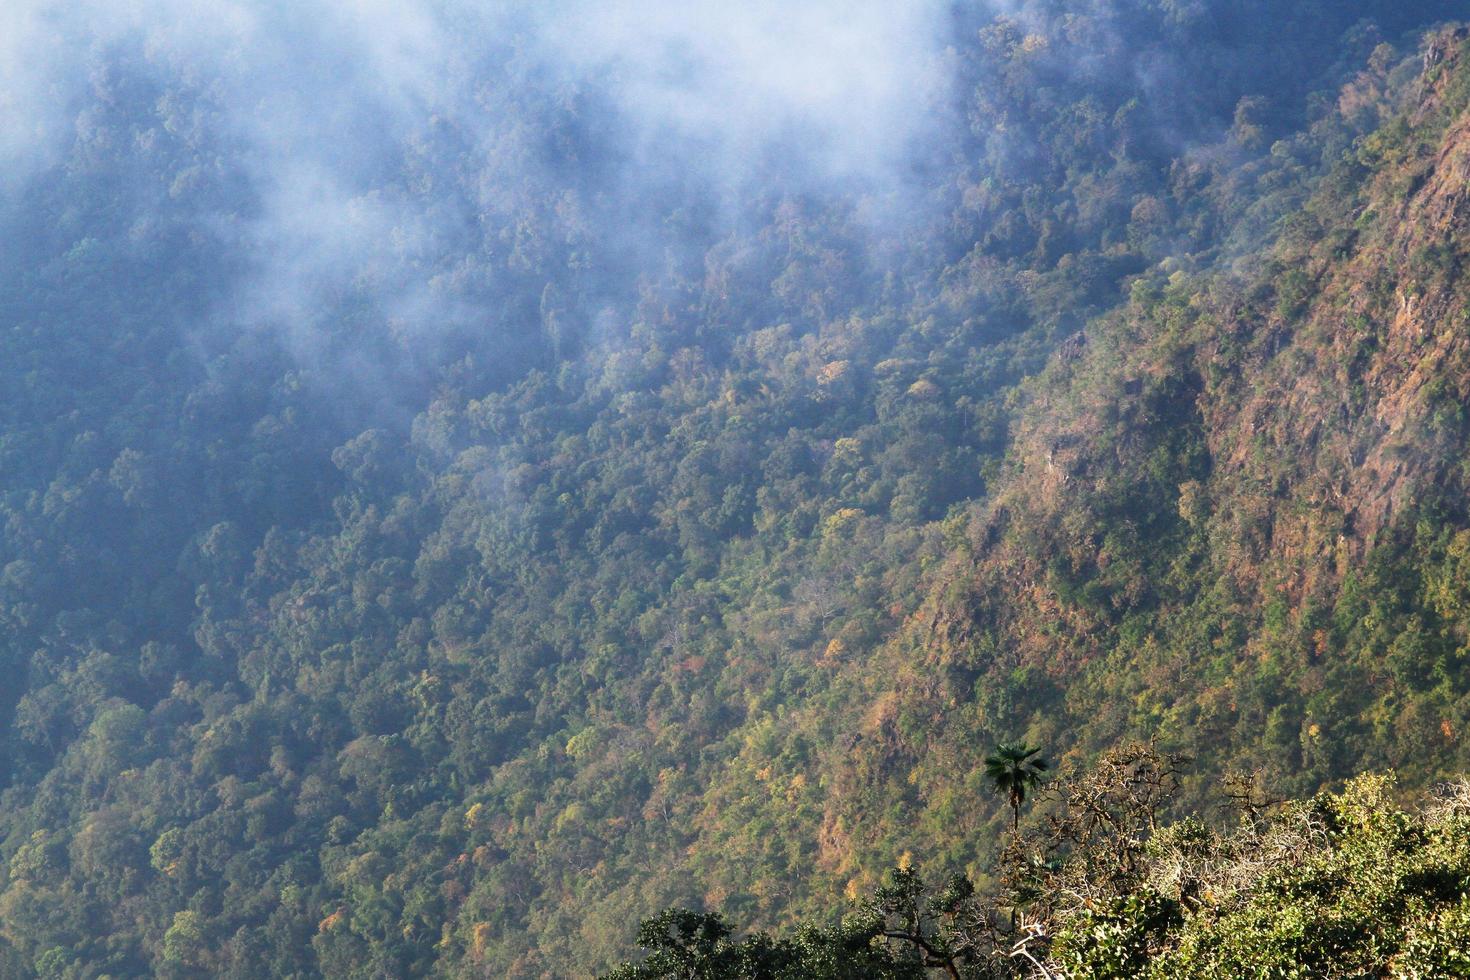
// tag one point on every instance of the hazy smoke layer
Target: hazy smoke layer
(848, 85)
(376, 136)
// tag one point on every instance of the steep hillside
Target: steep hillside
(1356, 883)
(565, 540)
(1233, 515)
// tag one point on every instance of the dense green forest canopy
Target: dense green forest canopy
(465, 487)
(1344, 884)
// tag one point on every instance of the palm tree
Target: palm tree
(1013, 769)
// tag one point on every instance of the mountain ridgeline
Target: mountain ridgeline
(579, 543)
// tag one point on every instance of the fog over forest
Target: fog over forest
(369, 147)
(377, 149)
(476, 474)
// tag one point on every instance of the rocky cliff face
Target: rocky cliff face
(1203, 488)
(1365, 392)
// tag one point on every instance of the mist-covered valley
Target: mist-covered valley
(475, 475)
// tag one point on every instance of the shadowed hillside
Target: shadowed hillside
(576, 476)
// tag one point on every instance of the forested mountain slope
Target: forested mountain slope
(1234, 513)
(446, 603)
(1233, 518)
(1357, 882)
